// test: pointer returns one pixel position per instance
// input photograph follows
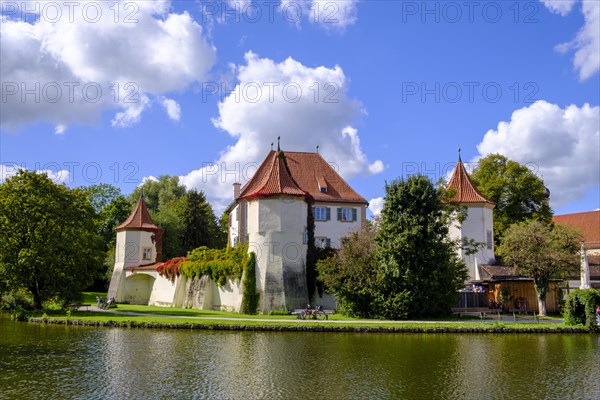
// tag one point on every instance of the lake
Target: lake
(61, 362)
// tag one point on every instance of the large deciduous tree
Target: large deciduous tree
(50, 244)
(418, 269)
(541, 251)
(518, 193)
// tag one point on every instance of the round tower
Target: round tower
(139, 242)
(477, 224)
(277, 212)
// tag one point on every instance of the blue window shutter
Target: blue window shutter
(354, 214)
(339, 214)
(328, 213)
(328, 242)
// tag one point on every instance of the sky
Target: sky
(124, 91)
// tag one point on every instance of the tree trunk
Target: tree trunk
(37, 300)
(542, 307)
(541, 289)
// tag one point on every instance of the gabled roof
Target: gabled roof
(587, 222)
(271, 179)
(466, 192)
(299, 171)
(139, 219)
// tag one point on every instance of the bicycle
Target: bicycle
(313, 313)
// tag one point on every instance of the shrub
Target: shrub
(249, 296)
(580, 308)
(16, 300)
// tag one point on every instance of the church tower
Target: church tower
(139, 242)
(477, 224)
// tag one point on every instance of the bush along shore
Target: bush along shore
(412, 327)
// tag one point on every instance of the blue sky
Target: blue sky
(200, 89)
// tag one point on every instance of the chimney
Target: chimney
(236, 190)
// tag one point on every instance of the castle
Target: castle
(270, 214)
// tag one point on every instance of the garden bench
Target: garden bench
(478, 312)
(303, 311)
(76, 306)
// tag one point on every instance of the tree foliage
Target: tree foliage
(418, 268)
(351, 273)
(200, 227)
(403, 265)
(581, 308)
(250, 297)
(518, 193)
(541, 251)
(50, 246)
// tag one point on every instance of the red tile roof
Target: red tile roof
(271, 179)
(301, 172)
(587, 222)
(139, 219)
(466, 192)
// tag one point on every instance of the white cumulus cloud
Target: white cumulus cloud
(376, 205)
(77, 59)
(61, 177)
(560, 144)
(306, 106)
(586, 43)
(376, 167)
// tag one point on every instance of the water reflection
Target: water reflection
(40, 361)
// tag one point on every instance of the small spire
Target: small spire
(317, 149)
(459, 155)
(278, 138)
(271, 146)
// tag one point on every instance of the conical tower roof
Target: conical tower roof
(466, 192)
(273, 178)
(139, 219)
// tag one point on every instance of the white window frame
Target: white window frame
(320, 213)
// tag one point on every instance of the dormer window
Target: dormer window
(322, 185)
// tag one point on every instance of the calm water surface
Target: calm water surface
(59, 362)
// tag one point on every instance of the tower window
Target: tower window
(490, 240)
(146, 253)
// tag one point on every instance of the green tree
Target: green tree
(158, 193)
(418, 270)
(223, 228)
(101, 195)
(541, 251)
(351, 273)
(166, 203)
(50, 245)
(200, 227)
(518, 193)
(112, 215)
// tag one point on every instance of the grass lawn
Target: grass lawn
(165, 316)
